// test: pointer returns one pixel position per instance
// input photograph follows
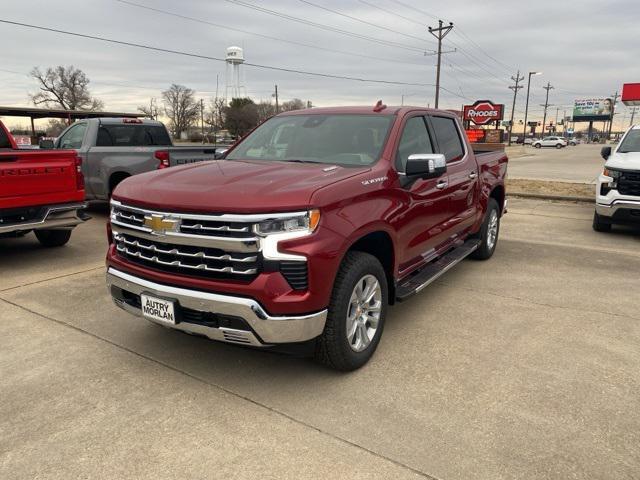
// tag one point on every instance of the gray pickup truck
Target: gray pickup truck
(113, 149)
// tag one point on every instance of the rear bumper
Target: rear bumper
(263, 329)
(63, 216)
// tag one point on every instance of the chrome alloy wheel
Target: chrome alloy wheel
(492, 231)
(363, 313)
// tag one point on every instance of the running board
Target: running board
(432, 271)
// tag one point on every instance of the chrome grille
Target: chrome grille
(199, 227)
(190, 260)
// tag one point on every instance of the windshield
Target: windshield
(631, 142)
(347, 140)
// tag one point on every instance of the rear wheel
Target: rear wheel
(488, 233)
(600, 223)
(53, 238)
(356, 313)
(537, 145)
(559, 145)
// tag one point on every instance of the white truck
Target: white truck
(618, 188)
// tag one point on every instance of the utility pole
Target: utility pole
(277, 104)
(546, 105)
(439, 33)
(613, 109)
(515, 89)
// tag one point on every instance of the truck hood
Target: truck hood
(624, 161)
(232, 186)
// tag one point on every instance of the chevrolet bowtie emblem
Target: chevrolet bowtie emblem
(159, 224)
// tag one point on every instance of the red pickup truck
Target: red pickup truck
(307, 230)
(41, 191)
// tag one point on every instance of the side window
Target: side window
(415, 139)
(448, 137)
(73, 138)
(4, 140)
(158, 135)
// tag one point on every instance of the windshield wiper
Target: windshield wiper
(296, 160)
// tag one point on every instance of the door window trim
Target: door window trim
(430, 134)
(70, 130)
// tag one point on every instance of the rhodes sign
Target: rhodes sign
(483, 112)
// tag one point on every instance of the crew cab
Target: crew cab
(113, 149)
(618, 187)
(557, 142)
(306, 235)
(40, 191)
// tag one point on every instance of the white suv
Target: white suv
(557, 142)
(618, 188)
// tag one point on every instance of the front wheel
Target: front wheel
(357, 311)
(488, 233)
(537, 145)
(53, 238)
(600, 223)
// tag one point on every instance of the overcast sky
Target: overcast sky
(584, 49)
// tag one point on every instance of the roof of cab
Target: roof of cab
(358, 110)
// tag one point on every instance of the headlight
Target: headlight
(305, 222)
(615, 174)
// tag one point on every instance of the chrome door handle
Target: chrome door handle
(442, 184)
(473, 175)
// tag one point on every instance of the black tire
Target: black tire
(333, 349)
(53, 238)
(600, 224)
(486, 249)
(559, 145)
(537, 145)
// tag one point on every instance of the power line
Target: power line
(351, 17)
(463, 35)
(322, 26)
(390, 12)
(217, 59)
(410, 7)
(269, 37)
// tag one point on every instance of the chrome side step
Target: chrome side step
(432, 271)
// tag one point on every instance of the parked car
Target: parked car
(574, 141)
(618, 187)
(40, 191)
(557, 142)
(528, 141)
(356, 209)
(113, 149)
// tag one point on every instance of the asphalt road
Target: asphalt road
(525, 366)
(580, 164)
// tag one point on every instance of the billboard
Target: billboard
(592, 109)
(631, 94)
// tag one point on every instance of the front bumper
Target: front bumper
(263, 329)
(52, 217)
(617, 207)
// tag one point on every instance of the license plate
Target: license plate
(158, 309)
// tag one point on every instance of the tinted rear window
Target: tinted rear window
(132, 136)
(4, 140)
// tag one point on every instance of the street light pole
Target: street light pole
(526, 110)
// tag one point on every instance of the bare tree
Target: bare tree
(266, 110)
(214, 116)
(295, 104)
(55, 127)
(181, 108)
(64, 87)
(150, 110)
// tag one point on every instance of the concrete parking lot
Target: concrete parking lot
(525, 366)
(581, 164)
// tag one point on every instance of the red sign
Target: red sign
(475, 135)
(483, 112)
(631, 94)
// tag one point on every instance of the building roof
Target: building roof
(61, 113)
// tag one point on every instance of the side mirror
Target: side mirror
(426, 165)
(219, 155)
(605, 152)
(47, 144)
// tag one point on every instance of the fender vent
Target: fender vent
(296, 274)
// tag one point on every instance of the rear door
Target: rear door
(462, 171)
(420, 226)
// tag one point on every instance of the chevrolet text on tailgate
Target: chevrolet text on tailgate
(309, 228)
(41, 191)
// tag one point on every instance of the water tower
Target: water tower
(235, 87)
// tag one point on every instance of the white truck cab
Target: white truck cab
(618, 188)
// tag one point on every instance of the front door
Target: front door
(420, 224)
